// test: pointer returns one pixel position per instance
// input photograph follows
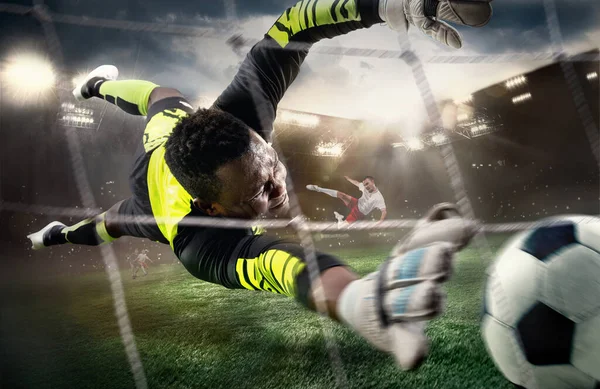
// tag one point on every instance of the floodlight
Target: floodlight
(330, 149)
(439, 139)
(298, 118)
(515, 82)
(77, 116)
(476, 130)
(28, 76)
(415, 144)
(521, 98)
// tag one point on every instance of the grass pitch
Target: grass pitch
(190, 334)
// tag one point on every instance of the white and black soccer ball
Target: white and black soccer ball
(541, 321)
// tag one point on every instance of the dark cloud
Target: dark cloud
(521, 26)
(516, 25)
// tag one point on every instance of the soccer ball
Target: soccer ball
(541, 321)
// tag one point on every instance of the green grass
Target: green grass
(62, 334)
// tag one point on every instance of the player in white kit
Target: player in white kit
(370, 200)
(141, 260)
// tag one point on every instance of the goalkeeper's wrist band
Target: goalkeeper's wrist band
(380, 290)
(430, 7)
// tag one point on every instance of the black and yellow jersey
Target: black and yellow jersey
(156, 193)
(268, 70)
(169, 201)
(260, 83)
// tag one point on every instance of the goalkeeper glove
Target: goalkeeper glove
(391, 306)
(429, 15)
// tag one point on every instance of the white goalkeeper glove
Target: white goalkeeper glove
(391, 306)
(428, 16)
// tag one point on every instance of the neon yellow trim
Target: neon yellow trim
(160, 127)
(277, 268)
(265, 266)
(72, 228)
(258, 230)
(277, 263)
(101, 230)
(293, 19)
(132, 91)
(239, 268)
(254, 278)
(302, 15)
(169, 201)
(350, 7)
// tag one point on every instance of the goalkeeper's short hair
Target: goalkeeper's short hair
(200, 144)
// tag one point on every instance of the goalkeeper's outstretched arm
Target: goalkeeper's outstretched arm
(381, 307)
(273, 63)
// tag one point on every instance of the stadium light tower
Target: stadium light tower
(479, 130)
(332, 148)
(77, 116)
(28, 77)
(412, 144)
(439, 139)
(481, 123)
(298, 118)
(515, 82)
(521, 98)
(415, 144)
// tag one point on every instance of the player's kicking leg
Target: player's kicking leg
(340, 219)
(329, 192)
(345, 198)
(133, 97)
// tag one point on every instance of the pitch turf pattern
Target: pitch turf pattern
(192, 334)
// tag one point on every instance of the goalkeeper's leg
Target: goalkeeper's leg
(132, 96)
(93, 231)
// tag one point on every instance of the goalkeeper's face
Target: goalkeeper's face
(253, 185)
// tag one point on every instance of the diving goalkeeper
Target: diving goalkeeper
(217, 162)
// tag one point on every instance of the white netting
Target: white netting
(303, 228)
